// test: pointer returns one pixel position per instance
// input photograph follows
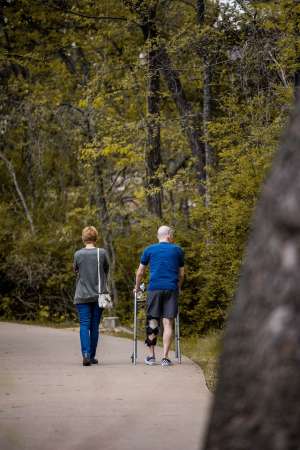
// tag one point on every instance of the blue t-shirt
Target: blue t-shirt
(165, 260)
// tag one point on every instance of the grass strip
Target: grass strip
(204, 351)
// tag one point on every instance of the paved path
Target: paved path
(48, 400)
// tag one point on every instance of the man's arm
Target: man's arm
(181, 278)
(139, 276)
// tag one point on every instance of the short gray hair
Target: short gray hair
(164, 231)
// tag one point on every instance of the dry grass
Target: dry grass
(204, 351)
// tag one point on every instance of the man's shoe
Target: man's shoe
(166, 362)
(150, 360)
(94, 361)
(86, 360)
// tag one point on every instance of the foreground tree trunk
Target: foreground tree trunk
(257, 401)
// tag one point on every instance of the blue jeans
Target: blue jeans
(89, 319)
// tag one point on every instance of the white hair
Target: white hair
(164, 231)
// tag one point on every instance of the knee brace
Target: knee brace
(152, 327)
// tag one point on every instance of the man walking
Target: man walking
(166, 262)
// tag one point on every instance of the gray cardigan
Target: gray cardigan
(86, 267)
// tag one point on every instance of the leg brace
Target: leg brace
(152, 328)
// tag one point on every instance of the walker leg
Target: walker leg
(176, 342)
(135, 330)
(178, 349)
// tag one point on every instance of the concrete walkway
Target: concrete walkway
(48, 400)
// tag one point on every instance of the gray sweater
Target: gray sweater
(86, 266)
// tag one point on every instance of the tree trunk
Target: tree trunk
(105, 224)
(257, 401)
(200, 5)
(153, 185)
(189, 120)
(297, 85)
(185, 211)
(153, 151)
(209, 157)
(207, 75)
(101, 203)
(19, 192)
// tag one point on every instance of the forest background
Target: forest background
(128, 114)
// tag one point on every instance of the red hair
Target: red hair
(89, 234)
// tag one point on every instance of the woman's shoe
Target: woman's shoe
(94, 361)
(86, 360)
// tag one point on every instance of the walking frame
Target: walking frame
(139, 300)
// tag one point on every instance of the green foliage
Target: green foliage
(74, 111)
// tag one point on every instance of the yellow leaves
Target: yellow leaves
(98, 102)
(83, 103)
(112, 149)
(89, 153)
(123, 154)
(270, 25)
(43, 314)
(139, 194)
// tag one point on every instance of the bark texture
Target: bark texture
(297, 85)
(209, 156)
(203, 52)
(257, 401)
(146, 14)
(153, 158)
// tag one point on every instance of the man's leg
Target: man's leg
(167, 336)
(94, 327)
(152, 324)
(170, 309)
(152, 329)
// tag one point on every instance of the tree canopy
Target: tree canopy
(127, 114)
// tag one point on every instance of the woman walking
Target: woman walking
(87, 290)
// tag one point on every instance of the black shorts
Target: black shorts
(162, 304)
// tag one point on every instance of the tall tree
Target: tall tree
(203, 49)
(12, 173)
(188, 119)
(153, 160)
